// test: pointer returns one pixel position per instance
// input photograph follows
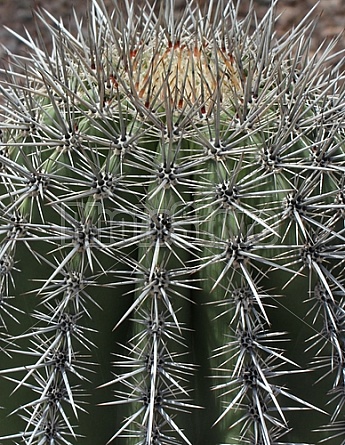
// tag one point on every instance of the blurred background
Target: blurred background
(329, 14)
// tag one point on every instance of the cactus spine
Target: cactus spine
(187, 176)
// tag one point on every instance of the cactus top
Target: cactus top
(187, 71)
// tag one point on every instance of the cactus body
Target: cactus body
(186, 176)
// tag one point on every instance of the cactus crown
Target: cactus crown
(185, 174)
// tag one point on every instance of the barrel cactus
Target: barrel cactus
(172, 193)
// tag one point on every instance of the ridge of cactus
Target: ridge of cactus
(172, 193)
